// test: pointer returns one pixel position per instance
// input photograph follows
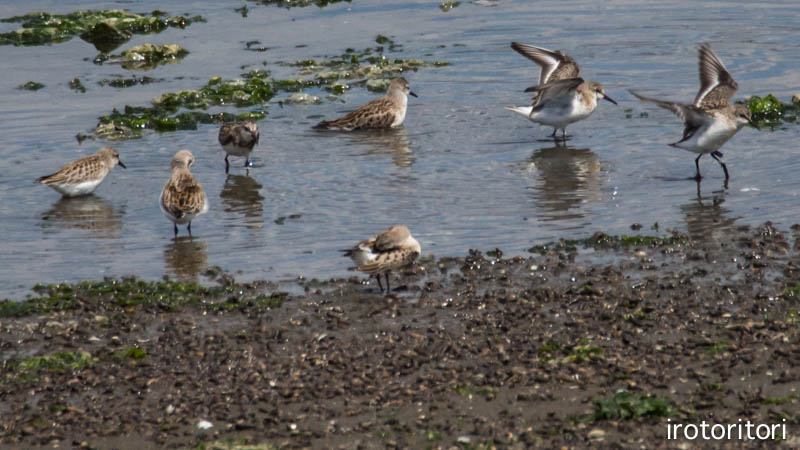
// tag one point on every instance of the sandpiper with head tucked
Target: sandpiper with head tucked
(182, 198)
(388, 111)
(393, 249)
(82, 177)
(562, 97)
(711, 120)
(238, 139)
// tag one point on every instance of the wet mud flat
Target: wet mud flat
(591, 343)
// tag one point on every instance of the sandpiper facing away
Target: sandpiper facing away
(562, 97)
(238, 139)
(82, 177)
(711, 120)
(182, 198)
(388, 111)
(393, 249)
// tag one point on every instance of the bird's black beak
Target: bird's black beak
(122, 164)
(609, 99)
(532, 88)
(411, 93)
(753, 124)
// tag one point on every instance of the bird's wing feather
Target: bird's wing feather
(717, 86)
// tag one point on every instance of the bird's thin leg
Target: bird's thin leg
(564, 134)
(554, 135)
(697, 165)
(724, 167)
(175, 225)
(227, 164)
(388, 289)
(189, 227)
(378, 277)
(247, 161)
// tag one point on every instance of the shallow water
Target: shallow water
(462, 173)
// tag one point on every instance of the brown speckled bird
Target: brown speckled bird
(82, 177)
(393, 249)
(182, 198)
(238, 139)
(388, 111)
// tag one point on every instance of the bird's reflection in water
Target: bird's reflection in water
(90, 213)
(241, 195)
(706, 217)
(394, 142)
(185, 258)
(566, 178)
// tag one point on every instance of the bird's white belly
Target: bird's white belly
(77, 189)
(709, 138)
(561, 115)
(401, 115)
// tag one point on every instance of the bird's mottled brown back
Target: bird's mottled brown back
(88, 167)
(183, 195)
(388, 261)
(378, 113)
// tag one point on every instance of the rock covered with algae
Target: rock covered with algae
(145, 56)
(106, 29)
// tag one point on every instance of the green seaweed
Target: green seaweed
(30, 86)
(30, 368)
(447, 6)
(602, 240)
(130, 353)
(112, 293)
(765, 110)
(106, 29)
(145, 56)
(126, 82)
(77, 86)
(298, 3)
(627, 406)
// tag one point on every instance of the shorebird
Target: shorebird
(82, 177)
(388, 111)
(238, 139)
(393, 249)
(182, 198)
(561, 97)
(711, 120)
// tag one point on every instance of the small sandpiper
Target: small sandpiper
(562, 97)
(82, 177)
(238, 139)
(182, 198)
(393, 249)
(711, 120)
(388, 111)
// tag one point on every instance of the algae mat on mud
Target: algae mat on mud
(106, 29)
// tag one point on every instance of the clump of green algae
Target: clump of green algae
(106, 29)
(133, 293)
(769, 111)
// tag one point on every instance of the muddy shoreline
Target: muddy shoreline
(470, 352)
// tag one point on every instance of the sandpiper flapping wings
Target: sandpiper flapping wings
(82, 177)
(182, 198)
(393, 249)
(238, 139)
(711, 120)
(561, 97)
(388, 111)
